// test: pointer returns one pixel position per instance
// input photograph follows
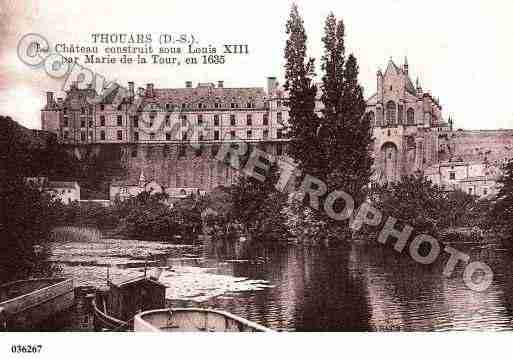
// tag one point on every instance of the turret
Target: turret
(405, 66)
(417, 85)
(379, 79)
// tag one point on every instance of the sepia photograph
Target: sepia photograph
(268, 167)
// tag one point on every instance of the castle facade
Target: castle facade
(146, 131)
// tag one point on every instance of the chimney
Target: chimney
(149, 90)
(271, 85)
(188, 84)
(220, 84)
(49, 98)
(131, 88)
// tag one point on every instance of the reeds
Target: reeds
(75, 234)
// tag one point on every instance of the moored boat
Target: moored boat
(115, 308)
(193, 320)
(24, 304)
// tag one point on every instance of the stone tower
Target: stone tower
(406, 123)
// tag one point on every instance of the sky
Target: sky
(461, 51)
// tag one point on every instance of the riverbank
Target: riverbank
(358, 286)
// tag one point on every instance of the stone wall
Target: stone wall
(481, 145)
(171, 165)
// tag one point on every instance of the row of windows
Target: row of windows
(393, 115)
(199, 105)
(119, 122)
(217, 137)
(217, 118)
(119, 135)
(184, 118)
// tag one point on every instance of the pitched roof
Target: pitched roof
(392, 67)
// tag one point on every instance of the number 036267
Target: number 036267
(23, 349)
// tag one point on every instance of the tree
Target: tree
(460, 209)
(28, 215)
(501, 213)
(336, 146)
(345, 134)
(414, 201)
(257, 206)
(299, 72)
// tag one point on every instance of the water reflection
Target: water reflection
(354, 287)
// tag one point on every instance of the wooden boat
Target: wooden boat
(192, 320)
(115, 308)
(26, 303)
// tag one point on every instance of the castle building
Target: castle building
(407, 123)
(148, 131)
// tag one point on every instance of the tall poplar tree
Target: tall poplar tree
(299, 73)
(345, 135)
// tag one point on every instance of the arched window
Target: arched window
(391, 113)
(400, 114)
(410, 116)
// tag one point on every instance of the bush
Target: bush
(28, 217)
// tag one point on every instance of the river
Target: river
(363, 286)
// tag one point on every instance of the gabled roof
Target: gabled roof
(392, 67)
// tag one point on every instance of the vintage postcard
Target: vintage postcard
(236, 166)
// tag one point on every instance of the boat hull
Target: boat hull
(193, 319)
(103, 321)
(38, 300)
